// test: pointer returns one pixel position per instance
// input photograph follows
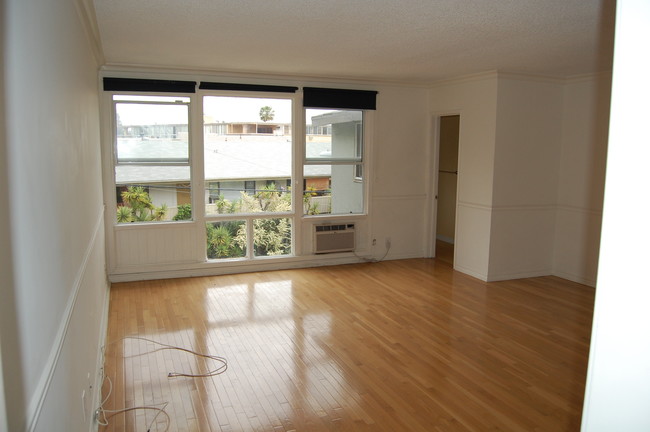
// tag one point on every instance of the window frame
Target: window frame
(249, 218)
(357, 161)
(171, 162)
(358, 152)
(126, 238)
(148, 98)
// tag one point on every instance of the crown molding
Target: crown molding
(88, 18)
(522, 76)
(151, 71)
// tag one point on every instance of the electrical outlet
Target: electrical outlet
(374, 242)
(86, 397)
(387, 242)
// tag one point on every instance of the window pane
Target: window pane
(333, 134)
(272, 236)
(226, 239)
(333, 189)
(238, 197)
(152, 133)
(153, 193)
(247, 154)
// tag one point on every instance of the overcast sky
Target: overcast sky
(220, 109)
(239, 109)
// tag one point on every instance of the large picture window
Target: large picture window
(221, 164)
(152, 158)
(247, 167)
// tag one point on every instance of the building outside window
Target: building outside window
(255, 217)
(338, 157)
(152, 158)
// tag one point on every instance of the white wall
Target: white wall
(59, 285)
(581, 178)
(7, 319)
(617, 396)
(526, 168)
(475, 99)
(400, 161)
(4, 426)
(530, 173)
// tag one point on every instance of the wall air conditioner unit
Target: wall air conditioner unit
(330, 238)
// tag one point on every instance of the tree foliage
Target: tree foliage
(184, 212)
(271, 236)
(138, 207)
(267, 113)
(220, 240)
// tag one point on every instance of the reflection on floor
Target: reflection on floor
(405, 345)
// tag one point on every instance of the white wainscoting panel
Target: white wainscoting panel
(150, 245)
(402, 219)
(577, 244)
(472, 246)
(521, 243)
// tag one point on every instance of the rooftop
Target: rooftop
(227, 158)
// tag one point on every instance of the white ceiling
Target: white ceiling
(417, 41)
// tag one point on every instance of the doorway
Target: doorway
(448, 138)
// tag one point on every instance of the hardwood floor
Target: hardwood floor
(445, 252)
(394, 346)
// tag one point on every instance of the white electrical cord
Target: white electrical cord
(373, 260)
(219, 370)
(100, 413)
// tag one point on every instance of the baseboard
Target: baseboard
(259, 265)
(518, 275)
(576, 278)
(99, 376)
(471, 273)
(210, 269)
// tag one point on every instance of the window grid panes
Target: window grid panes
(333, 167)
(152, 166)
(248, 171)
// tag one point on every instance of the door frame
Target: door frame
(434, 166)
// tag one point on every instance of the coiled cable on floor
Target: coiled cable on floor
(223, 363)
(100, 413)
(102, 418)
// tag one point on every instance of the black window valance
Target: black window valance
(246, 87)
(149, 85)
(315, 97)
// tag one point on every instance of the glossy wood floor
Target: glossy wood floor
(394, 346)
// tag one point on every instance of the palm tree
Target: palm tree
(267, 196)
(124, 214)
(139, 201)
(266, 113)
(158, 213)
(138, 206)
(221, 243)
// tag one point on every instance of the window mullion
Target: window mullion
(198, 173)
(250, 238)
